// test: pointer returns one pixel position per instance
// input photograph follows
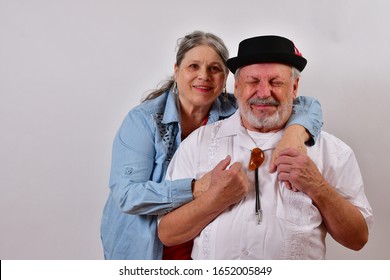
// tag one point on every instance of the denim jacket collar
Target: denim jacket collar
(171, 112)
(220, 109)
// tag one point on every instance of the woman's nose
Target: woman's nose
(203, 74)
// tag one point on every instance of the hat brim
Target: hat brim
(294, 60)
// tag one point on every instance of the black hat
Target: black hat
(264, 49)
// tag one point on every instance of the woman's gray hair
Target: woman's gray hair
(199, 38)
(188, 42)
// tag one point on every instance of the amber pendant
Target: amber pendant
(257, 159)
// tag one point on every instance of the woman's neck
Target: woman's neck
(192, 118)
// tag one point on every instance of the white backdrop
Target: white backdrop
(71, 69)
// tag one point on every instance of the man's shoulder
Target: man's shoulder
(330, 141)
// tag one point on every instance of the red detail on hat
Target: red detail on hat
(297, 52)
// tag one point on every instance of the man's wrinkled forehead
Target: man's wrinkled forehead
(264, 70)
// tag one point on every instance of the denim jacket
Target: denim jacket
(142, 150)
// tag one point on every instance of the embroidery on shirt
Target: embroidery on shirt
(168, 135)
(296, 245)
(213, 145)
(297, 239)
(212, 157)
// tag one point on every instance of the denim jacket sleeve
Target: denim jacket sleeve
(308, 113)
(133, 167)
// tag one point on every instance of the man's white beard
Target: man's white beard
(263, 121)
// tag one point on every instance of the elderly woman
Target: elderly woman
(150, 135)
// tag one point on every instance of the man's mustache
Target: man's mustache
(263, 101)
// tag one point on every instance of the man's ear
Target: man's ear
(295, 88)
(235, 90)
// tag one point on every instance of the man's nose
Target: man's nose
(263, 90)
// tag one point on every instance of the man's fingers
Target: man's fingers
(289, 152)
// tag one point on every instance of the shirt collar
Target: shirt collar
(220, 109)
(233, 127)
(171, 111)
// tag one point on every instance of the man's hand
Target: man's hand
(295, 137)
(299, 170)
(342, 219)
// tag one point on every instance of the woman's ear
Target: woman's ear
(175, 70)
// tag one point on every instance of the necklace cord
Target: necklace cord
(256, 160)
(258, 211)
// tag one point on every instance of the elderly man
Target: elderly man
(284, 214)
